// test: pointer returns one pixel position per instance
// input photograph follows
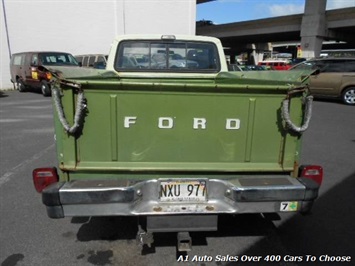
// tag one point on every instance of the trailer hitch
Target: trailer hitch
(184, 242)
(144, 237)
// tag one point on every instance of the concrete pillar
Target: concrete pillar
(313, 28)
(261, 48)
(256, 52)
(258, 56)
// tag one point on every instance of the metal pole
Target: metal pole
(6, 28)
(7, 33)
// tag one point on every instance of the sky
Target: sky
(228, 11)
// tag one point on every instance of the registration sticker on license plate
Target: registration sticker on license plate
(183, 190)
(289, 206)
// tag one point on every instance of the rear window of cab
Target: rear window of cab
(160, 56)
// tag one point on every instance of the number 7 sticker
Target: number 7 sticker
(288, 206)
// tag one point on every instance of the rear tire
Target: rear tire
(348, 96)
(20, 86)
(45, 88)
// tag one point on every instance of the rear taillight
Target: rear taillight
(48, 75)
(314, 172)
(43, 177)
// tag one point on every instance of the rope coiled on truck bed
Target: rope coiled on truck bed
(79, 110)
(307, 102)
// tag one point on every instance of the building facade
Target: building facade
(85, 26)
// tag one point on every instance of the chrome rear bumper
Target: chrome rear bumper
(251, 194)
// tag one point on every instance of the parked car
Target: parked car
(92, 60)
(159, 60)
(254, 68)
(237, 67)
(295, 61)
(335, 78)
(276, 64)
(234, 67)
(26, 72)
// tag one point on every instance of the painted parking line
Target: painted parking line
(11, 120)
(23, 102)
(6, 177)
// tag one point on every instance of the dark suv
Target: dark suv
(335, 78)
(26, 74)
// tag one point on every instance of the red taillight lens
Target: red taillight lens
(43, 177)
(314, 172)
(48, 75)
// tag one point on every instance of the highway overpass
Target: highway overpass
(334, 25)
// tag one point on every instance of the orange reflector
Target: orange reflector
(314, 172)
(43, 177)
(48, 75)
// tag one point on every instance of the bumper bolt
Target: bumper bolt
(157, 209)
(209, 208)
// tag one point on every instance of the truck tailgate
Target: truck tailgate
(189, 125)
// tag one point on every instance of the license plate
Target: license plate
(183, 190)
(34, 75)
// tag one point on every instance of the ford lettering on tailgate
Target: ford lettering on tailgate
(183, 190)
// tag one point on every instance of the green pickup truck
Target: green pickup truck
(166, 134)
